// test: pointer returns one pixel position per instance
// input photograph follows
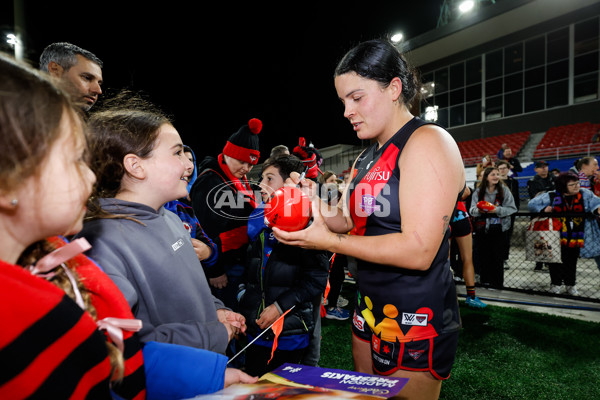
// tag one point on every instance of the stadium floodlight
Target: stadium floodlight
(466, 6)
(431, 113)
(12, 39)
(397, 37)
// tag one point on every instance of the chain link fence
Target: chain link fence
(520, 272)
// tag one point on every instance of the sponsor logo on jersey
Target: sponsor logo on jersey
(414, 319)
(378, 175)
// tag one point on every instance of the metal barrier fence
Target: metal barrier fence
(521, 273)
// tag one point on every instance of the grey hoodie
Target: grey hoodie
(156, 268)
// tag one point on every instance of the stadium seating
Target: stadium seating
(569, 140)
(473, 150)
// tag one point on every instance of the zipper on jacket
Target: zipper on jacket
(261, 273)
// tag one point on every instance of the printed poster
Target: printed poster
(293, 381)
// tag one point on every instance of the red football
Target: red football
(289, 209)
(486, 206)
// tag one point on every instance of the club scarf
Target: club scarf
(571, 234)
(241, 186)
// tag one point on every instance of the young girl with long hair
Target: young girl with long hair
(495, 222)
(50, 347)
(138, 159)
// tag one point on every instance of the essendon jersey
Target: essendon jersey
(394, 299)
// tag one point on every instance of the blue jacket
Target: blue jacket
(591, 230)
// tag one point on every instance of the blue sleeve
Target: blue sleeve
(590, 200)
(538, 203)
(181, 372)
(202, 236)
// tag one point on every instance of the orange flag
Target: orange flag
(277, 327)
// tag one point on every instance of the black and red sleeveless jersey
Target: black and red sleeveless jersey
(422, 303)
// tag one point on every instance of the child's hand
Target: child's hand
(234, 322)
(201, 249)
(219, 282)
(268, 316)
(233, 376)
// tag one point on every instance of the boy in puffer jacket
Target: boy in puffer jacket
(279, 277)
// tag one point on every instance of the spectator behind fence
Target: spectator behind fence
(542, 182)
(491, 231)
(514, 164)
(579, 235)
(513, 185)
(500, 154)
(486, 161)
(587, 168)
(555, 172)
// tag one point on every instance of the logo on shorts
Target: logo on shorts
(358, 321)
(414, 319)
(384, 348)
(415, 353)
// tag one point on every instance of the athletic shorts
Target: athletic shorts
(461, 224)
(434, 355)
(461, 227)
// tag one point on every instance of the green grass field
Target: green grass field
(504, 353)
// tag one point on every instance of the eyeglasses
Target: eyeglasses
(574, 184)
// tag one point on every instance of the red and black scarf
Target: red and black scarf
(241, 185)
(571, 233)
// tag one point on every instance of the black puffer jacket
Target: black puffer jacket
(292, 276)
(223, 214)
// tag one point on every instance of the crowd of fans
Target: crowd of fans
(548, 191)
(181, 270)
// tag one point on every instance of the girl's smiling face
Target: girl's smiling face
(167, 169)
(493, 177)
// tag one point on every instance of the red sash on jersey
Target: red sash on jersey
(363, 197)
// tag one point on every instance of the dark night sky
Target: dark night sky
(214, 67)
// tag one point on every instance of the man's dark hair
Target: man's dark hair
(286, 164)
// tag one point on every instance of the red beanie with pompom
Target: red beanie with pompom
(243, 145)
